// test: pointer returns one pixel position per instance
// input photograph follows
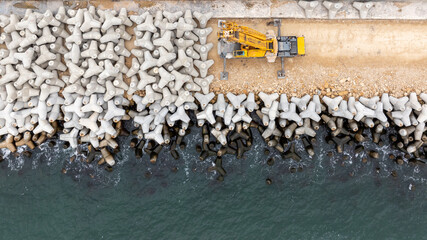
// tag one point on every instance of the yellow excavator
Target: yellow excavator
(236, 41)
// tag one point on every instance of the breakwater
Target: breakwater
(70, 74)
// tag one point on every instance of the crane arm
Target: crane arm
(246, 36)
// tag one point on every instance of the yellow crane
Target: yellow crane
(236, 41)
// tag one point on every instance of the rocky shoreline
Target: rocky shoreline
(71, 75)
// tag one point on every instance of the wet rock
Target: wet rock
(27, 154)
(374, 154)
(101, 161)
(116, 150)
(340, 142)
(220, 178)
(108, 168)
(268, 181)
(291, 153)
(270, 162)
(308, 147)
(359, 149)
(133, 142)
(399, 160)
(153, 157)
(174, 154)
(218, 167)
(52, 144)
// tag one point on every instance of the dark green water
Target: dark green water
(321, 202)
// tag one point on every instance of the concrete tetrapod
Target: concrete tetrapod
(422, 117)
(399, 103)
(172, 16)
(273, 112)
(203, 66)
(155, 135)
(333, 8)
(164, 41)
(250, 103)
(207, 114)
(292, 115)
(70, 137)
(203, 18)
(145, 41)
(318, 105)
(236, 101)
(204, 99)
(302, 102)
(203, 33)
(203, 50)
(386, 102)
(188, 17)
(139, 19)
(332, 103)
(413, 100)
(284, 103)
(204, 83)
(183, 27)
(306, 129)
(363, 8)
(363, 111)
(220, 104)
(241, 115)
(268, 99)
(404, 116)
(343, 111)
(181, 115)
(369, 102)
(310, 112)
(308, 7)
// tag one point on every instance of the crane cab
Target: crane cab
(290, 46)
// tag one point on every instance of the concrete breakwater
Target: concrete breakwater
(71, 74)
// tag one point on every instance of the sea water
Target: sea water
(328, 197)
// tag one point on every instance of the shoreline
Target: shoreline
(72, 74)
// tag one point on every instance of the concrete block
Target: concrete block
(308, 7)
(363, 8)
(333, 8)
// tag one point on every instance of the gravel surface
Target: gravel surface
(343, 57)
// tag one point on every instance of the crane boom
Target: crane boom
(249, 38)
(235, 27)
